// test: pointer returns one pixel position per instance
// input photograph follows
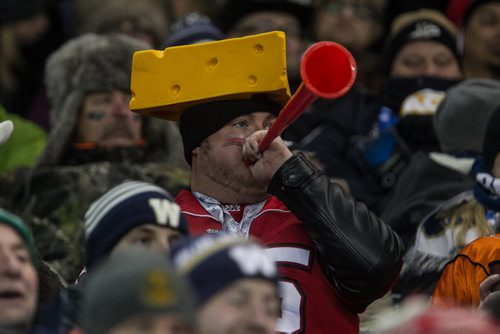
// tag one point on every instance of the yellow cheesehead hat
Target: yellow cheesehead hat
(166, 83)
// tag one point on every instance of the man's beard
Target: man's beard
(121, 128)
(235, 177)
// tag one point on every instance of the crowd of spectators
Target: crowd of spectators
(124, 210)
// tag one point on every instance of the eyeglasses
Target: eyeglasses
(363, 12)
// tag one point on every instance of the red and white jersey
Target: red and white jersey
(310, 304)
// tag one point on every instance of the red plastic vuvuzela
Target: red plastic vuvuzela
(328, 70)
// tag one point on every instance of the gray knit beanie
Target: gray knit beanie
(88, 63)
(461, 118)
(134, 282)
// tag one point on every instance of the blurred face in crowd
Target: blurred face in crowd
(151, 324)
(246, 306)
(219, 158)
(265, 21)
(496, 167)
(148, 236)
(425, 58)
(106, 120)
(30, 30)
(482, 38)
(18, 283)
(355, 24)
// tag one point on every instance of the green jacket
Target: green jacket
(24, 145)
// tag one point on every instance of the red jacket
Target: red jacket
(335, 256)
(310, 303)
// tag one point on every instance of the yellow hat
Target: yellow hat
(165, 83)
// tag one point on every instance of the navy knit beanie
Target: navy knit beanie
(421, 25)
(211, 262)
(128, 205)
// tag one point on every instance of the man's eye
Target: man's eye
(268, 126)
(143, 240)
(23, 257)
(443, 61)
(96, 115)
(240, 124)
(173, 238)
(487, 19)
(237, 301)
(413, 62)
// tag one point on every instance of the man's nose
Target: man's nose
(257, 127)
(9, 265)
(432, 70)
(121, 105)
(259, 316)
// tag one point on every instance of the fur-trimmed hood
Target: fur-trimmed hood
(87, 64)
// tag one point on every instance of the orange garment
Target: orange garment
(459, 283)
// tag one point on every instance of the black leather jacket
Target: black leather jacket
(362, 254)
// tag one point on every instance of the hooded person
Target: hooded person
(222, 268)
(96, 143)
(84, 66)
(136, 292)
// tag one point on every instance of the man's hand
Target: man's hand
(264, 165)
(488, 287)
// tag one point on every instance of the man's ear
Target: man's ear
(195, 151)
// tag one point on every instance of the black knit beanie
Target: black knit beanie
(422, 25)
(199, 122)
(491, 145)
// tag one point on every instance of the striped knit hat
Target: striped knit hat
(128, 205)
